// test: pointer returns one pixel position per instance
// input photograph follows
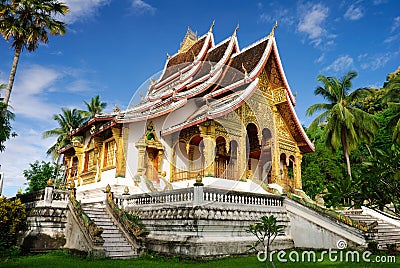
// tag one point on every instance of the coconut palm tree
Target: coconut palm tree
(27, 23)
(393, 98)
(94, 107)
(67, 121)
(344, 124)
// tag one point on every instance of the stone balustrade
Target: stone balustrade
(198, 196)
(45, 197)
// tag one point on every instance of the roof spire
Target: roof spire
(237, 28)
(212, 26)
(273, 29)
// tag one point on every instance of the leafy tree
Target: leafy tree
(27, 23)
(13, 220)
(68, 120)
(384, 168)
(393, 98)
(38, 174)
(321, 169)
(345, 125)
(95, 106)
(265, 231)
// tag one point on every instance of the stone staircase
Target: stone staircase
(115, 244)
(387, 234)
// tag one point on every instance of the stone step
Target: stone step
(108, 244)
(125, 248)
(111, 231)
(119, 235)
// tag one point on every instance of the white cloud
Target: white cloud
(141, 7)
(312, 20)
(280, 14)
(26, 148)
(396, 23)
(341, 64)
(320, 58)
(82, 9)
(28, 96)
(353, 13)
(375, 62)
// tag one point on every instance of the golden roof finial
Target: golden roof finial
(273, 29)
(212, 26)
(237, 28)
(168, 56)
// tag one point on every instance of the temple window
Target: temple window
(74, 168)
(90, 161)
(109, 153)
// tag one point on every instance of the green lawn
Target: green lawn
(60, 259)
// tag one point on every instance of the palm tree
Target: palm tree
(345, 125)
(393, 98)
(94, 107)
(28, 23)
(67, 121)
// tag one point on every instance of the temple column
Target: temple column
(98, 152)
(119, 156)
(276, 157)
(298, 182)
(141, 146)
(242, 158)
(207, 131)
(160, 156)
(79, 153)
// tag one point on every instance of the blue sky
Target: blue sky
(113, 46)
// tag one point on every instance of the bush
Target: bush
(12, 220)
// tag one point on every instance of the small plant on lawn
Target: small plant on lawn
(265, 231)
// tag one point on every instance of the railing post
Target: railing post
(198, 196)
(48, 193)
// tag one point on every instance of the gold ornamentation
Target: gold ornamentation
(49, 182)
(108, 188)
(273, 29)
(279, 95)
(189, 40)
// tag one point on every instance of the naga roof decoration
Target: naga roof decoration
(220, 78)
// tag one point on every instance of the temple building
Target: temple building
(218, 113)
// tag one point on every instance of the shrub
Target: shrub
(12, 220)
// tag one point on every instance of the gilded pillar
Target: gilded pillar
(79, 153)
(160, 156)
(207, 131)
(298, 182)
(242, 157)
(141, 146)
(120, 158)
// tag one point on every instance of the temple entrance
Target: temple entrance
(150, 154)
(232, 170)
(196, 157)
(253, 151)
(181, 162)
(221, 158)
(151, 164)
(266, 156)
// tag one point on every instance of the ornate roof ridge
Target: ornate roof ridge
(251, 45)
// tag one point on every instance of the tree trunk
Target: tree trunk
(346, 153)
(12, 74)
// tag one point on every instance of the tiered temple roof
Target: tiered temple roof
(221, 77)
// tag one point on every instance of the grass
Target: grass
(62, 259)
